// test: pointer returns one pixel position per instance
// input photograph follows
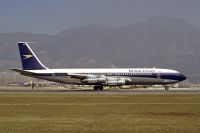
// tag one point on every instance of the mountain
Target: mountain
(155, 42)
(9, 51)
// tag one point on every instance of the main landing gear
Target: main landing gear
(98, 87)
(166, 87)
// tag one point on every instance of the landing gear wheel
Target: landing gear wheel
(99, 87)
(166, 87)
(95, 88)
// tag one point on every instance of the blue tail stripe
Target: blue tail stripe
(28, 58)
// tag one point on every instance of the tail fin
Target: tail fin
(28, 58)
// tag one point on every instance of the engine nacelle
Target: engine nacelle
(94, 80)
(116, 82)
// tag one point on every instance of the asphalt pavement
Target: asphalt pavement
(105, 91)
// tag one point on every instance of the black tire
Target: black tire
(166, 87)
(101, 88)
(95, 88)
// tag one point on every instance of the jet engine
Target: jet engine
(116, 82)
(112, 81)
(94, 80)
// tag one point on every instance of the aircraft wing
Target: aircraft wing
(82, 76)
(72, 75)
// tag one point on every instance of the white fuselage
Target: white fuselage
(136, 76)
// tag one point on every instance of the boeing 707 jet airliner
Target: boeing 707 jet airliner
(96, 77)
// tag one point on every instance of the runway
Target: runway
(107, 91)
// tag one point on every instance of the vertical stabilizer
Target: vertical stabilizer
(28, 58)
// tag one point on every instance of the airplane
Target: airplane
(97, 77)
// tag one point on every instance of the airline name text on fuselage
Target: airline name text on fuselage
(141, 71)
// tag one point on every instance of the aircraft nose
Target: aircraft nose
(183, 77)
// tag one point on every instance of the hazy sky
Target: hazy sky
(53, 16)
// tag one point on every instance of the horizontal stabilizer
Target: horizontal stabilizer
(21, 71)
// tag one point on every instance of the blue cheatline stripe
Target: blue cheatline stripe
(169, 76)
